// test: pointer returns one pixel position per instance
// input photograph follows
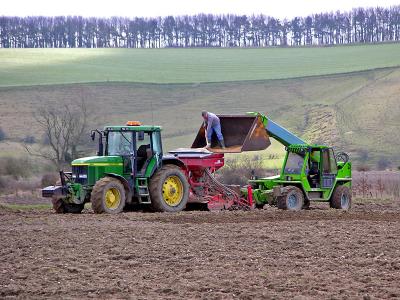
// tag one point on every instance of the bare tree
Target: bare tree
(63, 128)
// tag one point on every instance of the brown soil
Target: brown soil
(313, 254)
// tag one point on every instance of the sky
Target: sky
(152, 8)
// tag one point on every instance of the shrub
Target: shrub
(363, 168)
(363, 155)
(383, 163)
(3, 183)
(2, 135)
(239, 171)
(29, 139)
(15, 167)
(45, 139)
(9, 184)
(49, 179)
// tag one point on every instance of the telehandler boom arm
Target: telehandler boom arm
(281, 134)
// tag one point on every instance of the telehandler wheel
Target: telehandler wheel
(108, 195)
(61, 207)
(341, 198)
(291, 199)
(169, 189)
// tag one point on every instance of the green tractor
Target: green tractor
(129, 169)
(309, 173)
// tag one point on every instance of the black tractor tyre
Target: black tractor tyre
(341, 198)
(158, 185)
(292, 198)
(60, 207)
(99, 200)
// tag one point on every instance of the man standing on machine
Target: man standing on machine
(212, 124)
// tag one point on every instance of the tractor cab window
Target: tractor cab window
(333, 161)
(313, 173)
(328, 162)
(157, 147)
(313, 163)
(156, 138)
(144, 151)
(294, 163)
(119, 143)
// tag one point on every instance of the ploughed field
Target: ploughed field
(317, 253)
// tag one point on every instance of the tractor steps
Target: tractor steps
(143, 191)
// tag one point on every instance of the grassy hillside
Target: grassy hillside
(357, 112)
(24, 67)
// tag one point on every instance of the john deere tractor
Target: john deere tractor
(309, 173)
(129, 168)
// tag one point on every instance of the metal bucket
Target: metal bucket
(241, 133)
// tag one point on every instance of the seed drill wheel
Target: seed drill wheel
(169, 189)
(341, 198)
(64, 208)
(291, 199)
(108, 195)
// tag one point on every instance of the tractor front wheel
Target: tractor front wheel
(292, 198)
(169, 189)
(108, 195)
(60, 207)
(341, 198)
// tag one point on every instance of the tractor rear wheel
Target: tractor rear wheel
(108, 196)
(169, 189)
(60, 207)
(341, 198)
(292, 198)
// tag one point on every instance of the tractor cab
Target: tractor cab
(315, 166)
(139, 147)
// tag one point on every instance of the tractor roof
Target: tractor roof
(133, 128)
(302, 147)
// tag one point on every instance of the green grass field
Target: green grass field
(355, 111)
(59, 66)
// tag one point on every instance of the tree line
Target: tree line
(361, 25)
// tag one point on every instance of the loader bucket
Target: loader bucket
(241, 133)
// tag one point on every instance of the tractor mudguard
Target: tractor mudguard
(124, 182)
(171, 159)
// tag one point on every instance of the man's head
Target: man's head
(204, 114)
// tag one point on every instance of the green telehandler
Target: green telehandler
(309, 173)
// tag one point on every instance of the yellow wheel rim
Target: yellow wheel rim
(113, 198)
(172, 191)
